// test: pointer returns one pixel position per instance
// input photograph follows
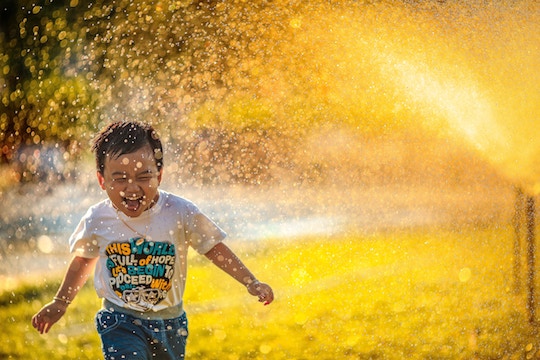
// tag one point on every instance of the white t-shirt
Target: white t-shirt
(143, 261)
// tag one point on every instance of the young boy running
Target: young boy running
(137, 241)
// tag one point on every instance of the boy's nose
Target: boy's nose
(132, 185)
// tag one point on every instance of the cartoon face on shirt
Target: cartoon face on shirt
(131, 181)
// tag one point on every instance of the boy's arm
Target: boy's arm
(225, 259)
(77, 273)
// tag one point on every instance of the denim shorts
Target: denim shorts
(124, 336)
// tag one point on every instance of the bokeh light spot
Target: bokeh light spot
(45, 244)
(465, 274)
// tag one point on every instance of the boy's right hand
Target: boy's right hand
(48, 316)
(262, 290)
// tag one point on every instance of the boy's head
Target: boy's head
(125, 137)
(129, 158)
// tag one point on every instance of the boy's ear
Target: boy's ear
(101, 180)
(160, 175)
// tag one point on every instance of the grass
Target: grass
(425, 294)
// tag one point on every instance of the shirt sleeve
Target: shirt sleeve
(202, 233)
(82, 242)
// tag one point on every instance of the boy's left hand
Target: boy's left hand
(262, 290)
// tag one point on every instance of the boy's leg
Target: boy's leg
(126, 337)
(169, 337)
(121, 336)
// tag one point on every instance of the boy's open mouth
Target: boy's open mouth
(133, 203)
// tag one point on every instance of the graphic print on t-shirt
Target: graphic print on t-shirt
(141, 271)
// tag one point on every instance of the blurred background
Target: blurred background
(279, 118)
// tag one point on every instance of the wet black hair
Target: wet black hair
(126, 137)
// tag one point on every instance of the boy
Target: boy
(137, 241)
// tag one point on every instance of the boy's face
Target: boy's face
(131, 181)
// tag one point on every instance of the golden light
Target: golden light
(380, 67)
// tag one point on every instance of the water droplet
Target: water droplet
(465, 274)
(45, 244)
(265, 349)
(63, 338)
(220, 334)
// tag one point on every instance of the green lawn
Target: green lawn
(424, 294)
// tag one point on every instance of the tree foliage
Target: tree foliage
(216, 72)
(44, 94)
(64, 63)
(68, 67)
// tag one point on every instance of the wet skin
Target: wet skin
(131, 181)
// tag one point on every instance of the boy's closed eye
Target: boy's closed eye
(145, 177)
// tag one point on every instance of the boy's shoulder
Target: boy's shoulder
(102, 207)
(168, 200)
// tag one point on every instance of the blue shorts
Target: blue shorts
(124, 336)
